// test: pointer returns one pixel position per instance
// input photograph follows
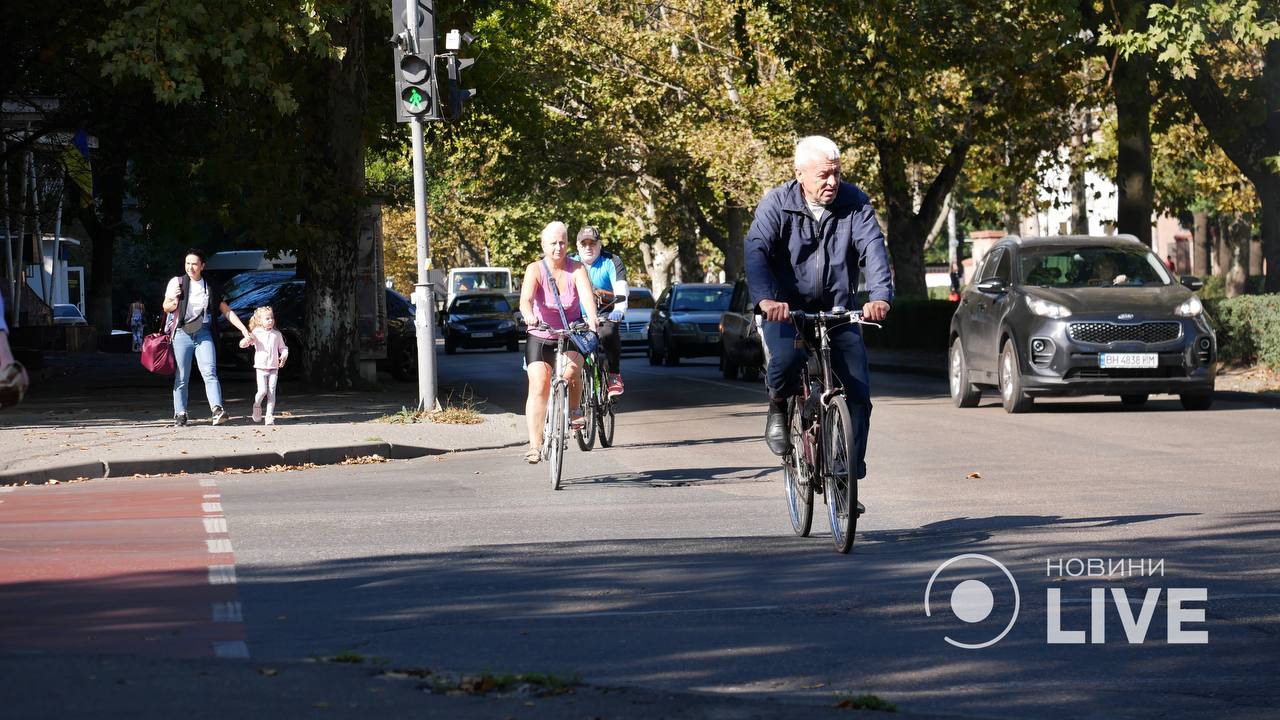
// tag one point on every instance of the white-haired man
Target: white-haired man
(809, 241)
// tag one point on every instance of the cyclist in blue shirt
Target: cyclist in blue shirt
(609, 280)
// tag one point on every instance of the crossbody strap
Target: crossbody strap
(555, 289)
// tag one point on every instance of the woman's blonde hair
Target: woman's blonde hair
(256, 321)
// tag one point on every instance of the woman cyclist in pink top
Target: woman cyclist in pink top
(538, 305)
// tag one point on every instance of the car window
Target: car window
(1092, 266)
(701, 299)
(480, 280)
(398, 305)
(989, 264)
(642, 299)
(471, 305)
(1004, 268)
(65, 311)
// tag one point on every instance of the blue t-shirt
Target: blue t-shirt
(604, 271)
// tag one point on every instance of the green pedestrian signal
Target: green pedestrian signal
(416, 83)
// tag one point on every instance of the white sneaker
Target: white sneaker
(257, 413)
(269, 421)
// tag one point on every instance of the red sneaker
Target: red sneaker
(615, 384)
(577, 420)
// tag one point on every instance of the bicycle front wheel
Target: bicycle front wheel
(841, 473)
(586, 435)
(604, 418)
(559, 414)
(797, 474)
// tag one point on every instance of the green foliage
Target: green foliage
(1248, 329)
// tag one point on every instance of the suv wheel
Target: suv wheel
(964, 394)
(669, 354)
(728, 368)
(654, 357)
(1011, 395)
(1196, 401)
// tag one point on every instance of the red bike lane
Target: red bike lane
(119, 566)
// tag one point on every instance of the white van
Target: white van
(471, 279)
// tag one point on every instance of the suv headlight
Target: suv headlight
(1190, 308)
(1044, 308)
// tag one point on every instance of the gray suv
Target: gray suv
(1074, 315)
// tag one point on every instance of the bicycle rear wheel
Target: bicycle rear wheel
(841, 473)
(797, 475)
(604, 418)
(558, 410)
(586, 435)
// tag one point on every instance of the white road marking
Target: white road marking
(219, 545)
(231, 649)
(227, 612)
(622, 613)
(213, 496)
(215, 525)
(208, 483)
(222, 574)
(211, 507)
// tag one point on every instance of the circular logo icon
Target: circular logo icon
(972, 600)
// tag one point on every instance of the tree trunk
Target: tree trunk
(906, 235)
(1135, 194)
(1221, 247)
(1202, 249)
(734, 253)
(658, 256)
(331, 346)
(1269, 196)
(1079, 186)
(109, 171)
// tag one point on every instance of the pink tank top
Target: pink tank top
(544, 301)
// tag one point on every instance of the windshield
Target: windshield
(1091, 266)
(481, 304)
(66, 311)
(481, 280)
(642, 299)
(701, 299)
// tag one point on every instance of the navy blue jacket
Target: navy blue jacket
(812, 266)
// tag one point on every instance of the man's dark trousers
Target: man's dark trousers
(848, 362)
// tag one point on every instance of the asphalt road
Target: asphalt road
(668, 560)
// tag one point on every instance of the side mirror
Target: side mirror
(993, 286)
(1192, 282)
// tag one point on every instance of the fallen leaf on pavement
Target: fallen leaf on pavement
(268, 671)
(973, 476)
(364, 460)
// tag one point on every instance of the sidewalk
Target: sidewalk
(91, 415)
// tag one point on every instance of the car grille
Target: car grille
(1101, 333)
(1157, 373)
(709, 327)
(633, 327)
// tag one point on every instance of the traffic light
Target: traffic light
(415, 52)
(455, 65)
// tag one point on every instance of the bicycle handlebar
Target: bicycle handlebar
(576, 326)
(854, 316)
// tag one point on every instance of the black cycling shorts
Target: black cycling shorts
(538, 349)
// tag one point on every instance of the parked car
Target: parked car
(480, 320)
(68, 314)
(685, 322)
(522, 330)
(244, 282)
(633, 331)
(402, 338)
(741, 348)
(1080, 316)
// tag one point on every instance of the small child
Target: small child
(270, 354)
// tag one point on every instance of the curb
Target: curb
(198, 464)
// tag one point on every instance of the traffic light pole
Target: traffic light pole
(423, 298)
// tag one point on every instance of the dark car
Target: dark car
(480, 320)
(741, 349)
(244, 282)
(685, 322)
(1080, 316)
(402, 337)
(522, 329)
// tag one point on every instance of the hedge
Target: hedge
(1248, 328)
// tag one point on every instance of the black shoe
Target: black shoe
(219, 415)
(775, 431)
(861, 508)
(180, 420)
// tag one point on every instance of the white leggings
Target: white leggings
(266, 389)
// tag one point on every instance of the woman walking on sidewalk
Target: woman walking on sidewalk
(137, 322)
(270, 354)
(192, 297)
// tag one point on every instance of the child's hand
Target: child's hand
(245, 342)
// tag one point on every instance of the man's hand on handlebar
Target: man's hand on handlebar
(875, 311)
(775, 311)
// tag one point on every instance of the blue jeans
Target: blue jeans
(201, 346)
(848, 363)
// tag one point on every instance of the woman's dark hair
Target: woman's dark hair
(198, 252)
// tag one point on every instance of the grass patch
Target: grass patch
(463, 411)
(347, 656)
(540, 684)
(866, 701)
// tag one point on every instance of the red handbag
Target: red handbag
(157, 350)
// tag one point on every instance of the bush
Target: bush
(1248, 328)
(914, 324)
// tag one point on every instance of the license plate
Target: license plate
(1128, 360)
(481, 335)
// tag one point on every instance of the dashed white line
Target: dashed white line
(222, 574)
(211, 507)
(219, 545)
(227, 612)
(213, 496)
(208, 483)
(231, 649)
(215, 525)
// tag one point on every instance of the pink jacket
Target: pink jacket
(269, 349)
